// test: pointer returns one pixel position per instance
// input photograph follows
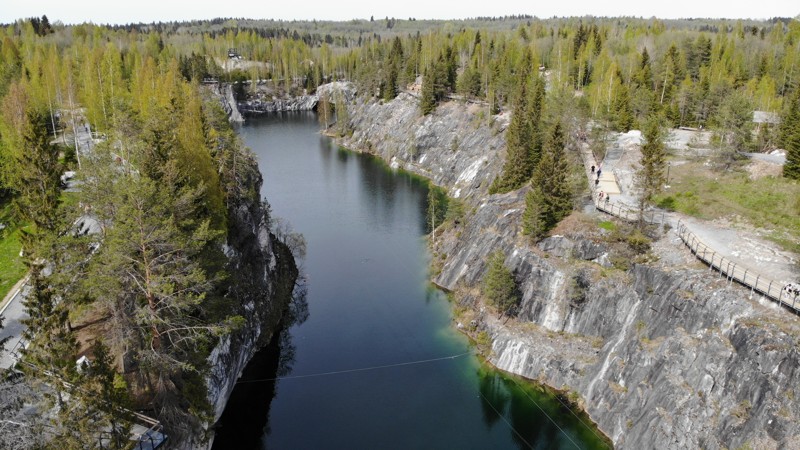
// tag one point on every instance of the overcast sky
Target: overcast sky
(127, 11)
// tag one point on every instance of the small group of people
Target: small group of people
(792, 289)
(603, 196)
(597, 171)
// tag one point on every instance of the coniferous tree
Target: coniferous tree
(37, 173)
(105, 394)
(650, 176)
(735, 132)
(550, 198)
(427, 101)
(522, 143)
(790, 137)
(342, 115)
(622, 111)
(499, 285)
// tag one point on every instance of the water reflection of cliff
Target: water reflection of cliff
(245, 420)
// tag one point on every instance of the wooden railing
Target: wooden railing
(772, 289)
(767, 287)
(631, 214)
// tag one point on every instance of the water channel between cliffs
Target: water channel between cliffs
(370, 306)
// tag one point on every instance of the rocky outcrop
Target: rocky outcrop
(458, 148)
(262, 275)
(306, 102)
(299, 103)
(661, 356)
(230, 106)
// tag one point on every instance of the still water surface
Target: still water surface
(370, 306)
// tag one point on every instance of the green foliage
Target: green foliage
(651, 175)
(638, 242)
(790, 137)
(427, 101)
(12, 268)
(523, 136)
(35, 168)
(606, 225)
(735, 126)
(668, 202)
(437, 207)
(622, 111)
(550, 199)
(767, 202)
(499, 285)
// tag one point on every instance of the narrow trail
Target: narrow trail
(750, 254)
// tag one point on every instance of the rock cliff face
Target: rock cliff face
(257, 107)
(262, 275)
(661, 355)
(457, 147)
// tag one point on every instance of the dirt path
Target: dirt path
(745, 247)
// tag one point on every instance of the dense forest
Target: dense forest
(168, 168)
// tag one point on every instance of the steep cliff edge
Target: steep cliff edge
(663, 355)
(262, 275)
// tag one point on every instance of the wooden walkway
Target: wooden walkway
(748, 278)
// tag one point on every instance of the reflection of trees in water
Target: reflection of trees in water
(494, 397)
(501, 396)
(296, 314)
(246, 418)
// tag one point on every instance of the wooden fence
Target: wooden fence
(630, 214)
(767, 287)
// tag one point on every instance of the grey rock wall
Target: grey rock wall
(661, 358)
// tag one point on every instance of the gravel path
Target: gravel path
(747, 248)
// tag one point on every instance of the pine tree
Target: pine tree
(149, 270)
(550, 199)
(790, 137)
(499, 285)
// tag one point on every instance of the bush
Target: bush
(667, 203)
(638, 242)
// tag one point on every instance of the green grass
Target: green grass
(771, 203)
(11, 267)
(606, 225)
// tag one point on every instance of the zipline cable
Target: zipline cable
(547, 415)
(505, 420)
(362, 369)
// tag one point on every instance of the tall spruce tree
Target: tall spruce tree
(622, 111)
(427, 102)
(522, 138)
(36, 179)
(790, 137)
(550, 199)
(650, 177)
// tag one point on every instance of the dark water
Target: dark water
(369, 306)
